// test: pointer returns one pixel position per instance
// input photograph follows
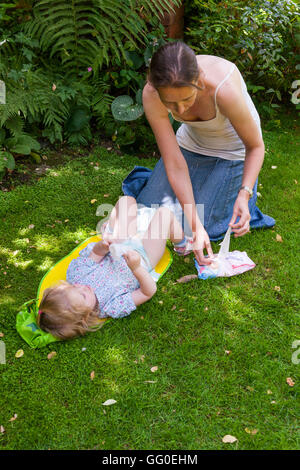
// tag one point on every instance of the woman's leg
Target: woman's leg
(162, 227)
(123, 219)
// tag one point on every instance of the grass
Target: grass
(200, 392)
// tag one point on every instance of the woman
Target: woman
(209, 170)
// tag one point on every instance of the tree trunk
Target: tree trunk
(173, 22)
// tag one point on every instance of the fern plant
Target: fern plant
(84, 33)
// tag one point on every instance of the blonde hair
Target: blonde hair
(63, 320)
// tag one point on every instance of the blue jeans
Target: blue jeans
(215, 183)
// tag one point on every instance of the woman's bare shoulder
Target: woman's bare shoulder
(214, 69)
(152, 102)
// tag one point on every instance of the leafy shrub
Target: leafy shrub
(258, 35)
(65, 63)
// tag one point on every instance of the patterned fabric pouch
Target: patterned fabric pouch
(225, 263)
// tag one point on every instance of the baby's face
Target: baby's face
(82, 295)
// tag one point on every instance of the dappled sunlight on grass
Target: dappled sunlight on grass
(6, 299)
(113, 355)
(237, 310)
(11, 258)
(46, 264)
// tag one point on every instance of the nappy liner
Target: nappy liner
(144, 217)
(225, 263)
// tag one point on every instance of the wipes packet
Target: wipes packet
(225, 263)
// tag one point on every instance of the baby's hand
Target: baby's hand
(132, 259)
(101, 248)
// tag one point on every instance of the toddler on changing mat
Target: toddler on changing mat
(100, 285)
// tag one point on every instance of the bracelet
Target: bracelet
(246, 188)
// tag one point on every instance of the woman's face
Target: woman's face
(82, 296)
(178, 100)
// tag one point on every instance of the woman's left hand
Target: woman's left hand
(240, 209)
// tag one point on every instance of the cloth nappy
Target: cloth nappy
(225, 263)
(135, 243)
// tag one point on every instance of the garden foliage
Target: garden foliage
(261, 37)
(65, 64)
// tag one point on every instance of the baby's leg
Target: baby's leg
(123, 219)
(162, 227)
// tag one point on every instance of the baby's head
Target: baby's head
(68, 310)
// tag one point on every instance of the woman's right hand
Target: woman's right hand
(201, 242)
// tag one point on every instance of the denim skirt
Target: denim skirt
(215, 183)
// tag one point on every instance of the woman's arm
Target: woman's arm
(232, 104)
(176, 167)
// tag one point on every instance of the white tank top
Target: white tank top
(216, 137)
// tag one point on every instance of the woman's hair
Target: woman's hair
(173, 65)
(59, 317)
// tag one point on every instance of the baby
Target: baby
(99, 285)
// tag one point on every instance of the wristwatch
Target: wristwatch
(246, 188)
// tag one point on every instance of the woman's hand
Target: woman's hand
(132, 259)
(201, 242)
(241, 209)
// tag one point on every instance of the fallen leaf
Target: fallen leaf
(227, 352)
(150, 381)
(106, 195)
(278, 238)
(109, 402)
(66, 220)
(229, 439)
(277, 288)
(269, 392)
(142, 358)
(154, 369)
(251, 431)
(1, 335)
(296, 182)
(251, 389)
(2, 430)
(174, 307)
(19, 353)
(93, 201)
(273, 167)
(51, 355)
(187, 278)
(273, 402)
(31, 226)
(53, 87)
(92, 375)
(14, 417)
(290, 382)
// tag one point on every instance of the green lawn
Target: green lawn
(200, 392)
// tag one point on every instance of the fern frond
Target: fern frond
(84, 32)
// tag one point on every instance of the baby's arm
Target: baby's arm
(99, 251)
(147, 285)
